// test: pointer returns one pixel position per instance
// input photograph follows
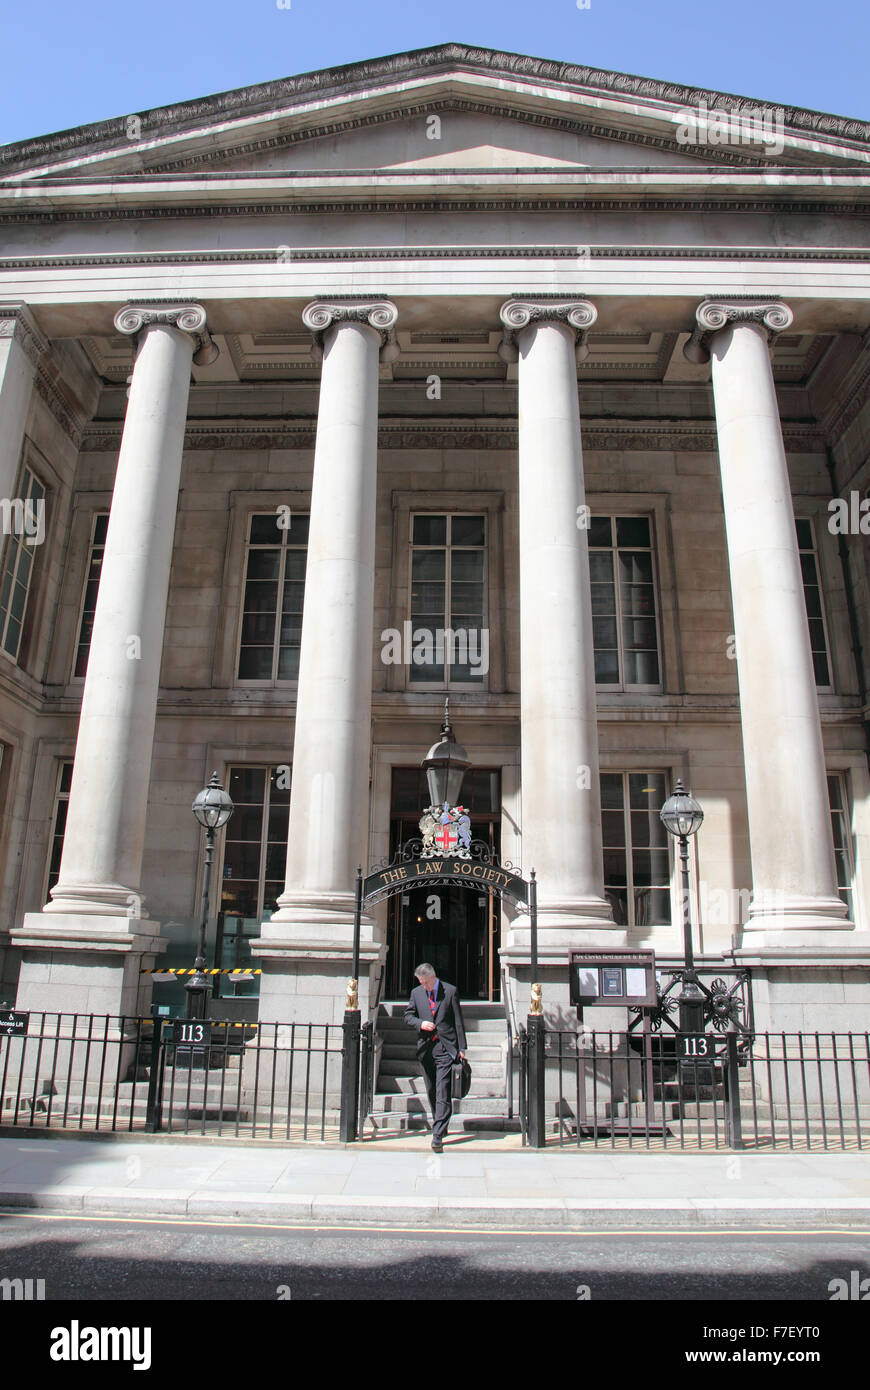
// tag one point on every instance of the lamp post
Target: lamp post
(212, 808)
(682, 817)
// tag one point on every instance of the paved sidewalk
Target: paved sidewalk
(475, 1182)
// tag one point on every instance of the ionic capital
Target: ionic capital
(134, 319)
(379, 314)
(712, 314)
(17, 322)
(518, 314)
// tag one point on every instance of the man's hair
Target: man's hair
(424, 969)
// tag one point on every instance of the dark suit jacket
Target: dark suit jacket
(447, 1018)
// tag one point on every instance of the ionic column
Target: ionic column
(97, 898)
(561, 802)
(329, 789)
(793, 871)
(21, 345)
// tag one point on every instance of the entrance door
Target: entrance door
(454, 928)
(448, 925)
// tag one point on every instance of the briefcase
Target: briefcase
(460, 1079)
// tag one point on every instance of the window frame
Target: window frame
(625, 773)
(810, 520)
(392, 608)
(274, 681)
(448, 684)
(622, 687)
(8, 539)
(94, 518)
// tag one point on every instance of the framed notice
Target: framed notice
(617, 977)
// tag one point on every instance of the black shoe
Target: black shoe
(437, 1146)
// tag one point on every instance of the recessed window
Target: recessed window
(449, 637)
(23, 528)
(813, 599)
(840, 827)
(274, 592)
(636, 858)
(92, 584)
(624, 614)
(58, 824)
(254, 863)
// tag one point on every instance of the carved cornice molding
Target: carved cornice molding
(672, 436)
(712, 314)
(17, 322)
(355, 78)
(378, 314)
(290, 255)
(62, 405)
(518, 314)
(135, 319)
(783, 206)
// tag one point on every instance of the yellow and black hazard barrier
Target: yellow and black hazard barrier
(165, 970)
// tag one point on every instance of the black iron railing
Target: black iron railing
(221, 1077)
(770, 1091)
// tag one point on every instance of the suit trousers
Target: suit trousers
(436, 1063)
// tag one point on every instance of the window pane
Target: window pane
(263, 564)
(258, 629)
(288, 663)
(632, 530)
(261, 597)
(255, 664)
(604, 633)
(430, 530)
(603, 599)
(428, 565)
(600, 531)
(601, 567)
(466, 566)
(820, 668)
(641, 668)
(606, 668)
(611, 790)
(635, 567)
(804, 534)
(265, 529)
(467, 530)
(247, 784)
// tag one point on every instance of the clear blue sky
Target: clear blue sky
(65, 64)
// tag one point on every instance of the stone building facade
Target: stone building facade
(569, 366)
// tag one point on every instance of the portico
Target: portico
(443, 374)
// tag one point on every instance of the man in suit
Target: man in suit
(435, 1013)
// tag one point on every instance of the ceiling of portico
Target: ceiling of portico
(463, 356)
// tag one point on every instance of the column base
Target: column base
(563, 925)
(775, 916)
(305, 981)
(73, 963)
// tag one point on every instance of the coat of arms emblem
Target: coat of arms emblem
(446, 830)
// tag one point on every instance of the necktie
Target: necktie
(432, 1006)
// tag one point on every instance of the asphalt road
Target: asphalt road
(111, 1259)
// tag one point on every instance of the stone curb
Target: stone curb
(551, 1213)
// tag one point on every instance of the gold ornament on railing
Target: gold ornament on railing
(537, 1004)
(352, 1001)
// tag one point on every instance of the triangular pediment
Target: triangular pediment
(442, 108)
(445, 136)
